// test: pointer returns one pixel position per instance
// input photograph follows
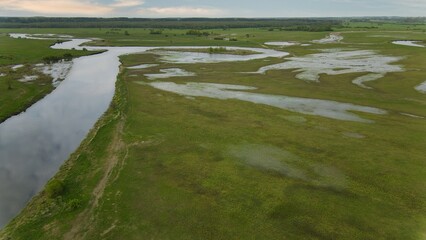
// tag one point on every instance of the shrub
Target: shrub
(55, 188)
(217, 50)
(54, 59)
(51, 59)
(197, 33)
(73, 204)
(155, 31)
(68, 56)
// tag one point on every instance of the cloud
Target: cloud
(126, 3)
(181, 11)
(411, 3)
(56, 7)
(67, 7)
(96, 8)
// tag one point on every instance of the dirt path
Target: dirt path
(85, 218)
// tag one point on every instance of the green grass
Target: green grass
(178, 176)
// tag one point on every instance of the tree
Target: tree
(9, 83)
(9, 79)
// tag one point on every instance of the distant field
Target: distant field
(175, 166)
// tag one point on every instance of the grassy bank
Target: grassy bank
(77, 178)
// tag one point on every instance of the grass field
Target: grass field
(159, 165)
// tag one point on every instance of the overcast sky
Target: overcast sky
(213, 8)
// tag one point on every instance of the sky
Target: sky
(212, 8)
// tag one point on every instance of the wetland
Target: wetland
(316, 139)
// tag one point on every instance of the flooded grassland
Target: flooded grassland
(228, 146)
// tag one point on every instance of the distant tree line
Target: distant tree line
(386, 20)
(310, 28)
(175, 23)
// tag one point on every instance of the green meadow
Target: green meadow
(159, 165)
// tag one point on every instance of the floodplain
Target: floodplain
(322, 138)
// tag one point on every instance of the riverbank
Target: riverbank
(78, 176)
(54, 127)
